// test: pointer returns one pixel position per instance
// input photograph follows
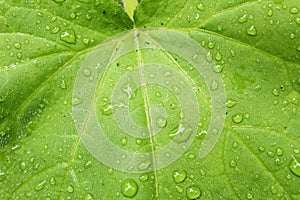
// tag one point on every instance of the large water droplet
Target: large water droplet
(294, 166)
(68, 36)
(252, 30)
(193, 192)
(179, 176)
(129, 188)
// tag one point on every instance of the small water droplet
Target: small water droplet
(270, 154)
(297, 20)
(298, 48)
(237, 118)
(294, 166)
(235, 145)
(88, 164)
(249, 196)
(275, 92)
(294, 10)
(86, 41)
(279, 151)
(129, 188)
(52, 181)
(107, 109)
(68, 36)
(179, 175)
(292, 36)
(87, 72)
(193, 192)
(17, 45)
(124, 141)
(211, 44)
(201, 7)
(55, 29)
(261, 149)
(252, 30)
(179, 189)
(218, 57)
(63, 84)
(40, 185)
(70, 189)
(230, 103)
(232, 164)
(218, 68)
(144, 177)
(144, 165)
(270, 13)
(161, 122)
(243, 18)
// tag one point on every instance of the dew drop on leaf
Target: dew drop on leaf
(17, 45)
(252, 30)
(52, 181)
(107, 109)
(218, 68)
(40, 185)
(68, 36)
(179, 189)
(193, 192)
(129, 188)
(243, 18)
(294, 10)
(270, 13)
(179, 175)
(144, 177)
(161, 122)
(275, 92)
(230, 103)
(201, 7)
(294, 166)
(279, 151)
(70, 189)
(238, 118)
(55, 29)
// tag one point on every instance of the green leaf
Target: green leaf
(155, 100)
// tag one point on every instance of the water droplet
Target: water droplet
(144, 165)
(144, 177)
(237, 118)
(235, 145)
(275, 92)
(52, 181)
(218, 68)
(17, 45)
(68, 36)
(292, 36)
(297, 20)
(270, 13)
(273, 190)
(296, 151)
(294, 10)
(218, 57)
(193, 192)
(249, 196)
(161, 122)
(211, 44)
(232, 164)
(70, 189)
(191, 156)
(63, 84)
(107, 109)
(230, 103)
(270, 154)
(252, 30)
(87, 72)
(261, 149)
(279, 151)
(179, 189)
(40, 185)
(294, 166)
(129, 188)
(88, 164)
(89, 197)
(298, 48)
(124, 141)
(55, 29)
(179, 176)
(88, 17)
(86, 41)
(243, 18)
(201, 7)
